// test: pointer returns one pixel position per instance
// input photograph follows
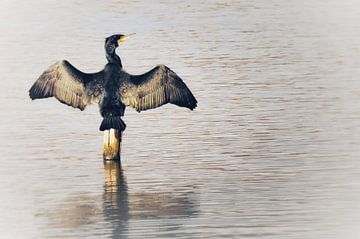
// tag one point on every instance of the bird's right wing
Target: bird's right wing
(69, 85)
(157, 87)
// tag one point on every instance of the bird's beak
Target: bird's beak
(124, 37)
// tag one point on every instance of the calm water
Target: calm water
(271, 152)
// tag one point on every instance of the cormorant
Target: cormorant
(112, 88)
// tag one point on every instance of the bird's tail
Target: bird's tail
(112, 122)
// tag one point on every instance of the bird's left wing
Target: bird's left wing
(155, 88)
(69, 85)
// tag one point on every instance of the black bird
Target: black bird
(112, 88)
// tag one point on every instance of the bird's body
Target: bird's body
(112, 88)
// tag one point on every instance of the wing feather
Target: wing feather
(69, 85)
(155, 88)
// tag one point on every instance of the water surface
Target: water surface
(272, 151)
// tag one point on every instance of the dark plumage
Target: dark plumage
(112, 88)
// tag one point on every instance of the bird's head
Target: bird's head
(116, 40)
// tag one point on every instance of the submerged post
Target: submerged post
(112, 144)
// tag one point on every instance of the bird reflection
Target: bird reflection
(120, 206)
(84, 212)
(116, 206)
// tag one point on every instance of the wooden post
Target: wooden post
(112, 144)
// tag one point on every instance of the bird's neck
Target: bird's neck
(112, 57)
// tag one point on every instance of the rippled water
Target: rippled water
(272, 151)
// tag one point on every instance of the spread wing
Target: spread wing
(155, 88)
(69, 85)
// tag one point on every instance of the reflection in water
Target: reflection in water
(116, 206)
(74, 212)
(78, 213)
(120, 206)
